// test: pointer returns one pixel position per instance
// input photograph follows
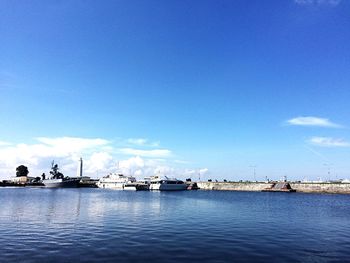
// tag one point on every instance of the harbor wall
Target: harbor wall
(333, 188)
(234, 186)
(338, 188)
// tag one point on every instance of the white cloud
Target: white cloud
(203, 171)
(99, 161)
(141, 168)
(2, 143)
(72, 144)
(191, 172)
(134, 162)
(66, 151)
(313, 121)
(133, 166)
(142, 142)
(329, 142)
(156, 153)
(196, 174)
(318, 2)
(139, 141)
(181, 162)
(99, 157)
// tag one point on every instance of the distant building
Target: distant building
(22, 179)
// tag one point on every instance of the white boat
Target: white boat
(115, 181)
(167, 184)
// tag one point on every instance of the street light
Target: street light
(253, 166)
(328, 165)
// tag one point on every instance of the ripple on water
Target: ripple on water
(104, 226)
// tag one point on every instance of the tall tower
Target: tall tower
(80, 168)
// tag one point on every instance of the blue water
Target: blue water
(85, 225)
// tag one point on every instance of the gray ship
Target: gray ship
(57, 179)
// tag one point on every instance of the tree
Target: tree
(22, 171)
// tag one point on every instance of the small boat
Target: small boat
(57, 179)
(167, 184)
(115, 181)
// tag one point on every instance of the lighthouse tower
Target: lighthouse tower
(80, 168)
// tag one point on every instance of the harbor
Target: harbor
(119, 181)
(116, 181)
(302, 187)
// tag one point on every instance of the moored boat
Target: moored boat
(64, 182)
(167, 184)
(57, 179)
(115, 181)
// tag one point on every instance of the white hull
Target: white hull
(130, 188)
(168, 187)
(111, 185)
(136, 187)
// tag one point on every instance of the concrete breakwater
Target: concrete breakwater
(334, 188)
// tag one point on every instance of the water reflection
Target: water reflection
(106, 225)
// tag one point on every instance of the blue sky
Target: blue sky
(182, 85)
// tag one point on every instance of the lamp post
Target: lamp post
(328, 165)
(254, 171)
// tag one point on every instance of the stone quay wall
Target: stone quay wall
(234, 186)
(334, 188)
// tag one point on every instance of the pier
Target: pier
(309, 187)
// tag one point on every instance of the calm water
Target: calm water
(87, 225)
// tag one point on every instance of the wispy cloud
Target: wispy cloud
(204, 170)
(196, 172)
(155, 153)
(312, 121)
(143, 142)
(317, 153)
(329, 142)
(73, 143)
(318, 2)
(2, 143)
(181, 162)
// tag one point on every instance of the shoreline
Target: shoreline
(300, 187)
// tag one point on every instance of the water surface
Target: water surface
(101, 225)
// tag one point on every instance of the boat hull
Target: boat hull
(110, 185)
(61, 183)
(136, 187)
(168, 187)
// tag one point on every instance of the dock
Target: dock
(280, 187)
